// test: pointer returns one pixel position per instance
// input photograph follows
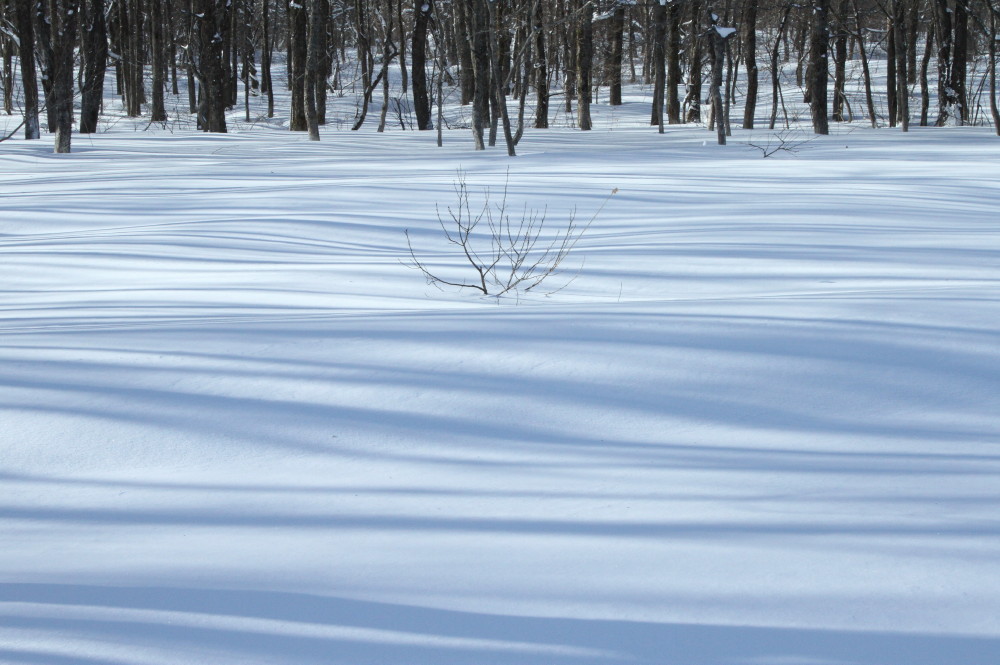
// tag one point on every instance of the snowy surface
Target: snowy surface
(762, 425)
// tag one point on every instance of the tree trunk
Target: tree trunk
(423, 12)
(891, 62)
(776, 66)
(95, 62)
(840, 63)
(991, 37)
(693, 98)
(673, 66)
(542, 70)
(479, 30)
(943, 27)
(465, 41)
(617, 29)
(211, 23)
(718, 41)
(584, 62)
(899, 29)
(315, 25)
(63, 18)
(865, 70)
(298, 37)
(266, 82)
(158, 112)
(658, 62)
(818, 73)
(750, 57)
(925, 95)
(960, 61)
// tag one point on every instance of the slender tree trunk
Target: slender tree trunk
(658, 62)
(672, 101)
(541, 70)
(63, 18)
(95, 40)
(943, 27)
(693, 98)
(158, 112)
(298, 36)
(840, 63)
(388, 53)
(498, 87)
(865, 70)
(818, 70)
(617, 29)
(584, 62)
(479, 30)
(718, 41)
(992, 39)
(891, 62)
(750, 57)
(8, 75)
(212, 23)
(423, 12)
(925, 95)
(899, 28)
(315, 25)
(267, 82)
(43, 57)
(465, 39)
(776, 65)
(960, 61)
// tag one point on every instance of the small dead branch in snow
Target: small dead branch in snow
(789, 140)
(505, 254)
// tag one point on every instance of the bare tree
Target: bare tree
(63, 17)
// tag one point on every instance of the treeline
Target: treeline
(510, 60)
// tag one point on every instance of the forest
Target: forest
(511, 62)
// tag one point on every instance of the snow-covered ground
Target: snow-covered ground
(761, 425)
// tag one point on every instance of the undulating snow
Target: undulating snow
(761, 425)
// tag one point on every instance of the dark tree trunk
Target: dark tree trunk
(818, 73)
(324, 60)
(960, 61)
(865, 70)
(298, 36)
(717, 38)
(7, 73)
(775, 71)
(992, 51)
(542, 70)
(135, 60)
(925, 94)
(158, 112)
(899, 29)
(95, 60)
(266, 82)
(617, 29)
(658, 61)
(750, 57)
(891, 87)
(584, 63)
(673, 65)
(43, 55)
(693, 98)
(211, 24)
(840, 63)
(315, 25)
(943, 28)
(465, 42)
(63, 18)
(423, 11)
(479, 29)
